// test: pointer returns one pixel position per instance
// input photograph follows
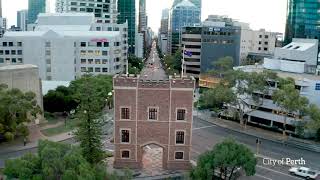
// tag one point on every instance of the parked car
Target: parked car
(304, 172)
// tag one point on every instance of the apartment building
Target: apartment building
(164, 120)
(64, 47)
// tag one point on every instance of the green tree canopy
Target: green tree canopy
(221, 66)
(55, 161)
(17, 109)
(223, 161)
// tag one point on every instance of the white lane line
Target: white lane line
(258, 175)
(278, 172)
(204, 127)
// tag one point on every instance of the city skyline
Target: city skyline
(252, 14)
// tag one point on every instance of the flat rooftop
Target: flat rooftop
(17, 67)
(282, 74)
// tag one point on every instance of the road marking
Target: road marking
(204, 127)
(262, 176)
(278, 172)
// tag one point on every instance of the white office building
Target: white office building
(297, 60)
(64, 47)
(22, 17)
(105, 11)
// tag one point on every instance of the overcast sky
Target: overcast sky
(267, 14)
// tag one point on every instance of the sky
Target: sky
(267, 14)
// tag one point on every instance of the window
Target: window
(19, 52)
(7, 52)
(13, 52)
(266, 49)
(48, 61)
(125, 136)
(259, 48)
(181, 114)
(99, 44)
(73, 9)
(19, 44)
(90, 61)
(105, 70)
(266, 36)
(8, 60)
(260, 36)
(83, 61)
(266, 43)
(125, 154)
(83, 69)
(97, 69)
(11, 44)
(48, 52)
(105, 53)
(14, 60)
(19, 60)
(49, 78)
(4, 44)
(48, 44)
(90, 69)
(73, 3)
(259, 42)
(153, 114)
(106, 44)
(48, 69)
(178, 155)
(317, 86)
(1, 60)
(97, 61)
(1, 52)
(104, 61)
(125, 113)
(180, 137)
(83, 44)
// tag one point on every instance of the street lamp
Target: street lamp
(109, 97)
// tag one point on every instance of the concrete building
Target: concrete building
(139, 50)
(300, 56)
(3, 26)
(296, 60)
(104, 11)
(22, 19)
(36, 7)
(183, 14)
(23, 77)
(163, 42)
(209, 42)
(165, 120)
(64, 47)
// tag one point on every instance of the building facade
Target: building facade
(183, 14)
(22, 19)
(198, 3)
(128, 11)
(104, 11)
(64, 47)
(23, 77)
(34, 8)
(303, 20)
(164, 120)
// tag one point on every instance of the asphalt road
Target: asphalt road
(206, 135)
(153, 69)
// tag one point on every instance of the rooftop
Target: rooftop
(16, 67)
(282, 74)
(185, 3)
(54, 33)
(74, 14)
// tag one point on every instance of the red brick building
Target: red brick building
(153, 112)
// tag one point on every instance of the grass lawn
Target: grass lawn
(71, 124)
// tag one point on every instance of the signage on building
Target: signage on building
(99, 40)
(217, 29)
(210, 29)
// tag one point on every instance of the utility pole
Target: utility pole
(258, 143)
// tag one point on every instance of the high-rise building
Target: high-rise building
(198, 3)
(22, 19)
(143, 24)
(129, 11)
(0, 8)
(105, 12)
(303, 20)
(34, 8)
(183, 14)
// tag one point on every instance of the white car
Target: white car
(304, 172)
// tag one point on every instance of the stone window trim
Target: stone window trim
(127, 129)
(185, 118)
(184, 137)
(121, 107)
(175, 158)
(148, 113)
(122, 150)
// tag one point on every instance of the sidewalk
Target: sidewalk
(258, 132)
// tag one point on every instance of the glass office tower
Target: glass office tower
(303, 20)
(129, 11)
(34, 8)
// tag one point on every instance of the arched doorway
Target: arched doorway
(152, 159)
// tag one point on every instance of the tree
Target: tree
(59, 100)
(314, 124)
(55, 161)
(223, 161)
(221, 66)
(135, 64)
(89, 132)
(288, 99)
(17, 109)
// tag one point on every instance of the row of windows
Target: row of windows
(96, 61)
(96, 44)
(214, 41)
(90, 69)
(125, 154)
(125, 136)
(265, 43)
(11, 60)
(265, 49)
(93, 53)
(10, 44)
(153, 114)
(11, 52)
(215, 33)
(265, 36)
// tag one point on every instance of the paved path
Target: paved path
(153, 69)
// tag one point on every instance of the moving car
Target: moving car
(304, 172)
